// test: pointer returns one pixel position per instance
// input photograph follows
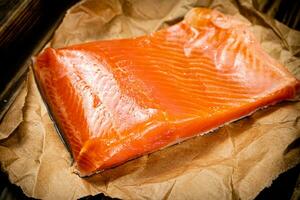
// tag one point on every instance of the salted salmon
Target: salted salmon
(119, 99)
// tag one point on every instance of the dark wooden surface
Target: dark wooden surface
(25, 27)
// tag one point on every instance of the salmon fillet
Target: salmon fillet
(116, 100)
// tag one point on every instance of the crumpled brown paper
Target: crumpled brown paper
(235, 162)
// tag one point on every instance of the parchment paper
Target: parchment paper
(235, 162)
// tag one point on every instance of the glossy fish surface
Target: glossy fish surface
(116, 100)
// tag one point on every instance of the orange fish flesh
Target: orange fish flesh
(119, 99)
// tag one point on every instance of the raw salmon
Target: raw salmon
(116, 100)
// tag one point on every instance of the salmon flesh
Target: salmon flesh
(116, 100)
